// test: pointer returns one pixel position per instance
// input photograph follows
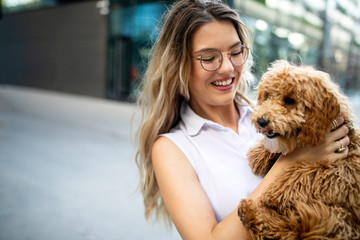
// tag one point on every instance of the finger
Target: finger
(341, 143)
(342, 155)
(345, 140)
(339, 133)
(339, 120)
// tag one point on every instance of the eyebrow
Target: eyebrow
(205, 49)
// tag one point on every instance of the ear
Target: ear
(261, 93)
(321, 107)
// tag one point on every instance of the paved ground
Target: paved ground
(67, 169)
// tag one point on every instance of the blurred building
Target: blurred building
(54, 44)
(324, 33)
(100, 48)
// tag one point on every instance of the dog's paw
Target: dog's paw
(246, 212)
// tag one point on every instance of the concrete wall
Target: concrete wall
(61, 48)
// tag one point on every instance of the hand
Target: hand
(326, 150)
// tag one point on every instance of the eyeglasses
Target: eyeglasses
(211, 59)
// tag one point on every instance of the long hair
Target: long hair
(165, 84)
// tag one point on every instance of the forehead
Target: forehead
(217, 34)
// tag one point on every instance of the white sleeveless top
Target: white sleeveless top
(218, 156)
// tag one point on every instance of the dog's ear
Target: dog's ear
(321, 107)
(262, 93)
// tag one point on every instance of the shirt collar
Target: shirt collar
(194, 123)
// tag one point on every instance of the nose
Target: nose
(262, 122)
(226, 66)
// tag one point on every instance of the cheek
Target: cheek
(198, 74)
(238, 73)
(239, 68)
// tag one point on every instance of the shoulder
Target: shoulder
(164, 145)
(165, 150)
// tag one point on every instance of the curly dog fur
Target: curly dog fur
(311, 200)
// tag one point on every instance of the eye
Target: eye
(209, 59)
(289, 101)
(263, 97)
(236, 53)
(210, 55)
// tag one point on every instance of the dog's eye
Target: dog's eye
(289, 101)
(266, 95)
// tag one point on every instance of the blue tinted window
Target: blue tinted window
(136, 22)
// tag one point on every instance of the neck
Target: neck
(225, 115)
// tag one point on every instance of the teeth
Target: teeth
(223, 83)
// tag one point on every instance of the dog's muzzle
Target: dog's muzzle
(262, 122)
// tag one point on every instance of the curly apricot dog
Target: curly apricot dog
(311, 200)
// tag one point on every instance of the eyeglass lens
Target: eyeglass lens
(211, 59)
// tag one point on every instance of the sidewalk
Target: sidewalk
(67, 169)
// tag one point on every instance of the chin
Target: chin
(279, 144)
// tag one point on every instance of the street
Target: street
(67, 168)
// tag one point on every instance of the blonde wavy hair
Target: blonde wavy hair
(165, 84)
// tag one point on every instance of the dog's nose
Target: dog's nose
(262, 122)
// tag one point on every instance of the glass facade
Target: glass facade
(323, 33)
(132, 31)
(272, 42)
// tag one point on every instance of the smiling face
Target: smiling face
(214, 88)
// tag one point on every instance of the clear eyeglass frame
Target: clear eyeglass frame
(239, 51)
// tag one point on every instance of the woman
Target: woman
(195, 131)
